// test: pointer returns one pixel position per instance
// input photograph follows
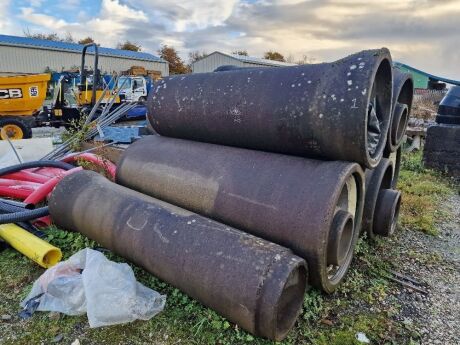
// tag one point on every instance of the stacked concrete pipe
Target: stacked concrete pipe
(310, 206)
(333, 111)
(273, 152)
(382, 201)
(403, 94)
(252, 282)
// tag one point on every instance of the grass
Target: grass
(364, 303)
(422, 191)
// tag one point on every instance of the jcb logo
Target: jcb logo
(10, 93)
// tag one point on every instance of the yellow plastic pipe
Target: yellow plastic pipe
(30, 245)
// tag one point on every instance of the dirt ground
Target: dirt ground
(434, 261)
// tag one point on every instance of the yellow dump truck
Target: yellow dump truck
(21, 97)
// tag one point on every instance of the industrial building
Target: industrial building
(30, 55)
(214, 60)
(424, 80)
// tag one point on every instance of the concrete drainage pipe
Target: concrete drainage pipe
(339, 110)
(254, 283)
(312, 207)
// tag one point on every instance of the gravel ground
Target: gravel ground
(435, 263)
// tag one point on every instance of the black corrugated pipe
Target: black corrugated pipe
(403, 95)
(338, 111)
(21, 216)
(381, 204)
(37, 164)
(254, 283)
(313, 207)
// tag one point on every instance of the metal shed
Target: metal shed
(30, 55)
(217, 59)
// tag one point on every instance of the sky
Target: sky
(422, 33)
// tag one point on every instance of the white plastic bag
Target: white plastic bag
(88, 282)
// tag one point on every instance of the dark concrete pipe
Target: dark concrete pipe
(403, 95)
(338, 111)
(254, 283)
(377, 180)
(293, 201)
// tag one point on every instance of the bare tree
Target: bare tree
(196, 55)
(240, 52)
(53, 36)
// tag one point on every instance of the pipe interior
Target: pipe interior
(394, 221)
(290, 301)
(401, 125)
(348, 202)
(379, 109)
(406, 95)
(345, 240)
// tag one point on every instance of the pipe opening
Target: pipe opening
(338, 260)
(394, 222)
(379, 109)
(406, 94)
(290, 301)
(340, 238)
(401, 126)
(387, 212)
(52, 257)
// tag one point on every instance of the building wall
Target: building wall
(33, 60)
(211, 62)
(420, 80)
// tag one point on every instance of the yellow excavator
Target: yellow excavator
(22, 98)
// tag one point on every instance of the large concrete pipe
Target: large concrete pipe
(403, 94)
(254, 283)
(339, 110)
(313, 207)
(381, 204)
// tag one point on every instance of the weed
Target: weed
(422, 191)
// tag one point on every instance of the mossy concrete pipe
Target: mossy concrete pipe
(254, 283)
(338, 111)
(291, 201)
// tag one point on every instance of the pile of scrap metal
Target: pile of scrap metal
(254, 188)
(442, 146)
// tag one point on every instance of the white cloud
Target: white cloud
(7, 25)
(35, 3)
(421, 33)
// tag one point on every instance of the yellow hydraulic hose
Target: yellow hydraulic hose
(30, 245)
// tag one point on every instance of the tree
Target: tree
(271, 55)
(128, 45)
(240, 52)
(86, 40)
(305, 60)
(53, 36)
(68, 38)
(196, 55)
(176, 65)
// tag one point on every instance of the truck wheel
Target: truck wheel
(15, 129)
(142, 99)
